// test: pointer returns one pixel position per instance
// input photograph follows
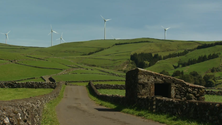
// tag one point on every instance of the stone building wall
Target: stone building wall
(141, 83)
(26, 111)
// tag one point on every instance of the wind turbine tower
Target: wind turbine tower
(6, 36)
(165, 30)
(105, 20)
(61, 39)
(52, 31)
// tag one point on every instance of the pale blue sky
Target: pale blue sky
(29, 21)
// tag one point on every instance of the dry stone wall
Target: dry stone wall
(213, 92)
(26, 111)
(108, 86)
(13, 84)
(206, 112)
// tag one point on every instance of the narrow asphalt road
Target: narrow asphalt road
(76, 108)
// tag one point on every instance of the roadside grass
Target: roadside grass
(42, 63)
(21, 93)
(49, 116)
(162, 118)
(11, 72)
(85, 77)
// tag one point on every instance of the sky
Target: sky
(79, 20)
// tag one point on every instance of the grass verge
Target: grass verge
(162, 118)
(49, 116)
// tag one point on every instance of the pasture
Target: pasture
(20, 93)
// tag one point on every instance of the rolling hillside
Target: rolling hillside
(102, 59)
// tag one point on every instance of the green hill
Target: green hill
(109, 56)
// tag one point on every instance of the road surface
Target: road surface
(76, 108)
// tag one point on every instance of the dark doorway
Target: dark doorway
(163, 90)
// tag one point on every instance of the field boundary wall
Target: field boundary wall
(26, 111)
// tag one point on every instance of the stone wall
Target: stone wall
(206, 112)
(26, 111)
(13, 84)
(213, 92)
(110, 98)
(108, 86)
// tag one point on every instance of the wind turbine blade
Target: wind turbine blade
(54, 32)
(162, 27)
(108, 19)
(167, 28)
(63, 40)
(8, 32)
(102, 17)
(3, 33)
(58, 39)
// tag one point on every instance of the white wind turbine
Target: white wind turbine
(105, 20)
(165, 30)
(6, 36)
(52, 31)
(61, 39)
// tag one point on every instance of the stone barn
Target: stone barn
(142, 83)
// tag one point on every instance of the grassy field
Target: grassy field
(20, 93)
(82, 71)
(85, 77)
(11, 72)
(46, 64)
